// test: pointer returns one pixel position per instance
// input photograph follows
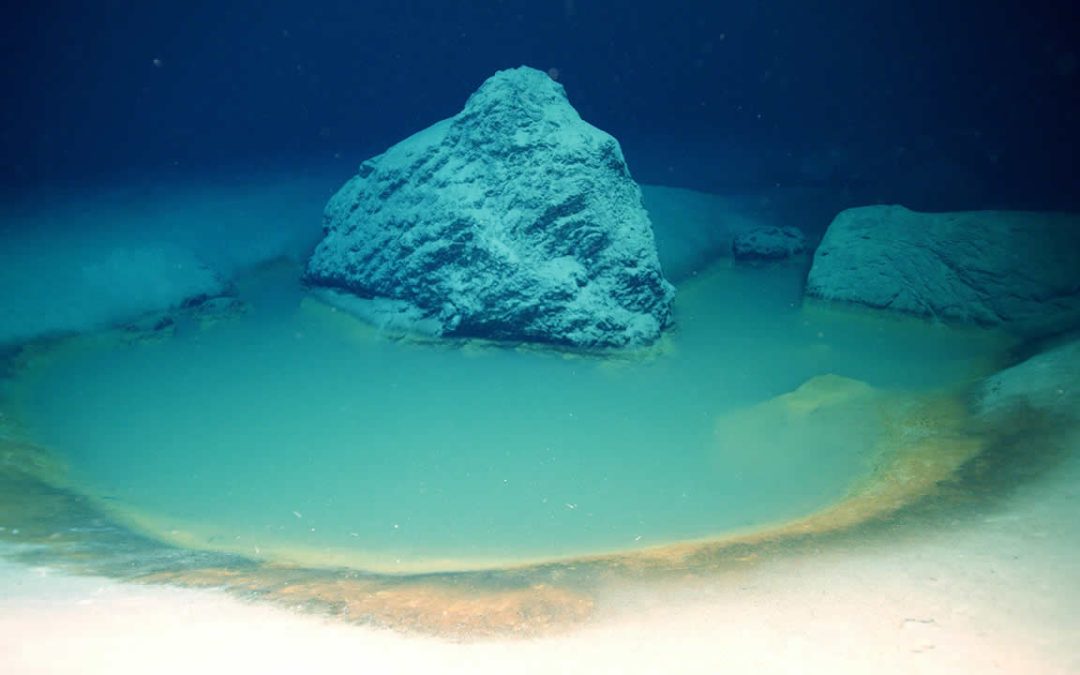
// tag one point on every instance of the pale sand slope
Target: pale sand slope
(995, 593)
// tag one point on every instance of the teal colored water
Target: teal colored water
(293, 431)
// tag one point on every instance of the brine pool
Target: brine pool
(292, 432)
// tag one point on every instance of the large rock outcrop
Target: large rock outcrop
(512, 220)
(1017, 270)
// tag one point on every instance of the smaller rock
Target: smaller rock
(768, 244)
(1046, 382)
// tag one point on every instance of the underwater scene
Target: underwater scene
(539, 337)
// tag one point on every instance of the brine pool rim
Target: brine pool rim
(281, 581)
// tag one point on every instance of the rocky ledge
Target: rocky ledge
(1016, 270)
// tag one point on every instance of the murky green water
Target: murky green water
(292, 431)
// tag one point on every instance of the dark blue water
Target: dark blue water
(937, 106)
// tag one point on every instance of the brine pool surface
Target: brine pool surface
(295, 432)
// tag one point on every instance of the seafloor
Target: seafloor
(951, 552)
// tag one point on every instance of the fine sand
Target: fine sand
(993, 590)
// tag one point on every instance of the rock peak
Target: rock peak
(521, 84)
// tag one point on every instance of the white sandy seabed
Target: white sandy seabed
(997, 594)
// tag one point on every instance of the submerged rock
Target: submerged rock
(1017, 270)
(512, 220)
(768, 244)
(1045, 382)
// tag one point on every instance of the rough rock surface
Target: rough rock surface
(513, 220)
(1018, 270)
(768, 244)
(1046, 381)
